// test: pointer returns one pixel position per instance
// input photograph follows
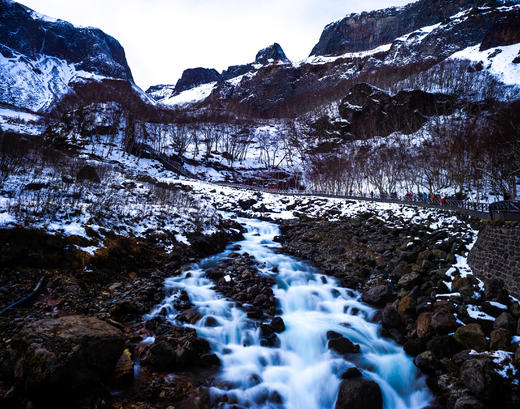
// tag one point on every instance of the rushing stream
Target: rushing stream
(302, 373)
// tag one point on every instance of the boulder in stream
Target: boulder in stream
(359, 393)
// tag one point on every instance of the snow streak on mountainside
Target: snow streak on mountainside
(41, 58)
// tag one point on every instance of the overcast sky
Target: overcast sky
(163, 37)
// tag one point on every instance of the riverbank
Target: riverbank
(60, 348)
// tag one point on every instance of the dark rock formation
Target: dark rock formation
(161, 91)
(237, 70)
(275, 89)
(504, 32)
(66, 358)
(193, 77)
(89, 49)
(370, 111)
(271, 54)
(368, 30)
(378, 295)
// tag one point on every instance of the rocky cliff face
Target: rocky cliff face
(196, 76)
(271, 54)
(368, 111)
(89, 49)
(365, 31)
(40, 57)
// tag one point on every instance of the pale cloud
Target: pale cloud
(163, 37)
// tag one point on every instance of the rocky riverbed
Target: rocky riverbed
(86, 326)
(459, 330)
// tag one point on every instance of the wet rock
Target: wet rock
(351, 373)
(479, 376)
(500, 338)
(179, 349)
(260, 300)
(413, 347)
(66, 358)
(211, 322)
(406, 307)
(190, 316)
(342, 345)
(443, 346)
(162, 355)
(378, 295)
(277, 324)
(270, 340)
(471, 336)
(358, 393)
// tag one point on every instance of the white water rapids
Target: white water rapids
(302, 373)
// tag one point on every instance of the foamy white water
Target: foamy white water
(302, 373)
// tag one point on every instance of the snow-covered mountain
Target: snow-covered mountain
(196, 84)
(41, 58)
(380, 46)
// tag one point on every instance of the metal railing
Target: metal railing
(476, 208)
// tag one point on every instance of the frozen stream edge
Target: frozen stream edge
(303, 372)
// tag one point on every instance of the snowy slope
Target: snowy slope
(190, 96)
(499, 61)
(36, 84)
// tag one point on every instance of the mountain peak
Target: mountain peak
(273, 53)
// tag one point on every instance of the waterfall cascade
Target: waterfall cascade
(302, 373)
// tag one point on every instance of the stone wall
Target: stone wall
(496, 254)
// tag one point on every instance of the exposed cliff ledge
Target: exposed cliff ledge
(368, 30)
